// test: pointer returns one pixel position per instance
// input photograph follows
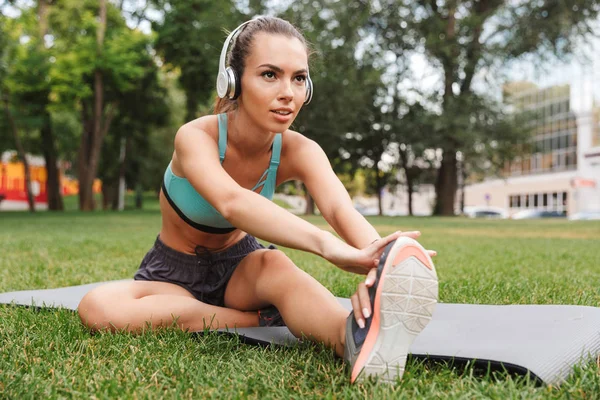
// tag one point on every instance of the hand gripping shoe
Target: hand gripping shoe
(403, 299)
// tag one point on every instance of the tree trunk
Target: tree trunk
(55, 200)
(409, 192)
(109, 190)
(91, 140)
(86, 199)
(120, 204)
(379, 184)
(463, 174)
(139, 198)
(446, 184)
(310, 203)
(191, 106)
(20, 152)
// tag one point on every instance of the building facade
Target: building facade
(562, 172)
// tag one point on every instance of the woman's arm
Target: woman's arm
(331, 196)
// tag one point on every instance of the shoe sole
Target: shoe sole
(405, 299)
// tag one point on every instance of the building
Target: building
(562, 173)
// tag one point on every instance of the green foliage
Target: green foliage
(122, 59)
(344, 85)
(189, 38)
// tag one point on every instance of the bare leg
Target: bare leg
(134, 305)
(267, 277)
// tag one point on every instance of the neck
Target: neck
(246, 137)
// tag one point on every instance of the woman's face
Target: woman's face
(274, 81)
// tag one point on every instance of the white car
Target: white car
(535, 214)
(485, 212)
(585, 215)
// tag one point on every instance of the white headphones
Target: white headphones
(227, 80)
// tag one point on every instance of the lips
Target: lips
(282, 115)
(282, 111)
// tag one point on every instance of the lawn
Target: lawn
(48, 354)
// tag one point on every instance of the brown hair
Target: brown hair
(240, 48)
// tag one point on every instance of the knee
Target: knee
(92, 310)
(276, 262)
(89, 309)
(276, 268)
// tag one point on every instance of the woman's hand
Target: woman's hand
(362, 261)
(361, 302)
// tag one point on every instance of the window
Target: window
(545, 200)
(535, 200)
(563, 142)
(571, 159)
(555, 143)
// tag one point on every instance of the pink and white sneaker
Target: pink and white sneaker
(403, 299)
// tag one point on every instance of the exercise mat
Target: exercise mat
(546, 341)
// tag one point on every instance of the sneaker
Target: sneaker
(403, 299)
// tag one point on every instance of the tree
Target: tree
(342, 82)
(461, 37)
(34, 90)
(11, 61)
(189, 39)
(98, 59)
(141, 110)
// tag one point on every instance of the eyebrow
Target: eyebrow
(277, 69)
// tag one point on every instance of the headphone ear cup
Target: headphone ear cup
(231, 83)
(309, 90)
(222, 84)
(236, 85)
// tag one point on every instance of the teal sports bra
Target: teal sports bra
(198, 212)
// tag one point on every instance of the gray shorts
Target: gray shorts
(204, 274)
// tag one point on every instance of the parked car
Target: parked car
(533, 214)
(485, 212)
(585, 216)
(366, 211)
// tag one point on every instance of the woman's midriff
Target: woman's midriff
(178, 235)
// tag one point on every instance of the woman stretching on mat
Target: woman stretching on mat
(206, 268)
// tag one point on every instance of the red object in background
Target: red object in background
(582, 182)
(12, 182)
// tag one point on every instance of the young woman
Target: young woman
(206, 268)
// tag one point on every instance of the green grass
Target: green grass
(48, 354)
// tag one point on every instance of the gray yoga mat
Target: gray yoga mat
(546, 341)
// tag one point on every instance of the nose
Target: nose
(286, 91)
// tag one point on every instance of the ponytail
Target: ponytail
(223, 105)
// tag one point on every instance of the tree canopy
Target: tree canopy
(86, 71)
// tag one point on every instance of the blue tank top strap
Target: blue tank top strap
(276, 153)
(222, 136)
(271, 172)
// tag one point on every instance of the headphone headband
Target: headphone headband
(222, 84)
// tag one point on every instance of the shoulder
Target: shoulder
(297, 145)
(200, 129)
(300, 154)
